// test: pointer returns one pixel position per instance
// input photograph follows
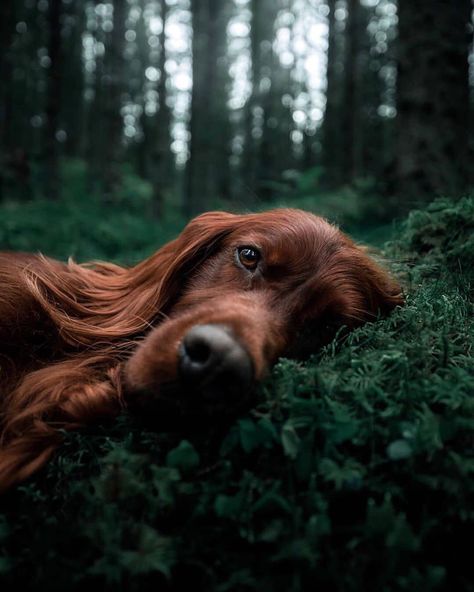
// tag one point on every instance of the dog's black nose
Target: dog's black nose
(214, 362)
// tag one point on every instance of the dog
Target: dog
(200, 321)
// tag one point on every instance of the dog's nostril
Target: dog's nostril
(213, 361)
(197, 349)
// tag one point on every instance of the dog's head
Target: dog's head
(241, 290)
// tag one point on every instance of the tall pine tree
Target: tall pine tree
(432, 99)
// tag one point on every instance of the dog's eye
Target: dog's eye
(248, 257)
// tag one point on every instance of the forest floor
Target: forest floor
(354, 470)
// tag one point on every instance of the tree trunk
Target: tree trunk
(222, 144)
(114, 84)
(204, 181)
(249, 159)
(331, 129)
(95, 139)
(199, 181)
(258, 163)
(161, 157)
(432, 99)
(155, 160)
(350, 102)
(7, 23)
(52, 181)
(73, 112)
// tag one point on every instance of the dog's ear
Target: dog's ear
(198, 241)
(380, 291)
(355, 287)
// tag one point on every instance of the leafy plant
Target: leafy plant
(354, 470)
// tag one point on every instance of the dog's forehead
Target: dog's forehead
(288, 233)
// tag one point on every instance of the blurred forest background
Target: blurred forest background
(361, 108)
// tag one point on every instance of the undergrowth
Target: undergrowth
(353, 471)
(81, 225)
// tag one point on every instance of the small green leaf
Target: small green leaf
(249, 435)
(290, 440)
(272, 502)
(184, 457)
(5, 565)
(228, 506)
(399, 450)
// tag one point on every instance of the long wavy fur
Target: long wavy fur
(65, 330)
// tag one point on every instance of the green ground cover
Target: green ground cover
(353, 471)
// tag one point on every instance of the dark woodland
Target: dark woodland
(120, 120)
(235, 103)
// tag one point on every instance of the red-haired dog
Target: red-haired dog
(206, 316)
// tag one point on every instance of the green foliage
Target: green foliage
(306, 191)
(354, 470)
(445, 231)
(81, 225)
(358, 208)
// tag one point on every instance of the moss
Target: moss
(353, 471)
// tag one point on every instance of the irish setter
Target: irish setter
(201, 320)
